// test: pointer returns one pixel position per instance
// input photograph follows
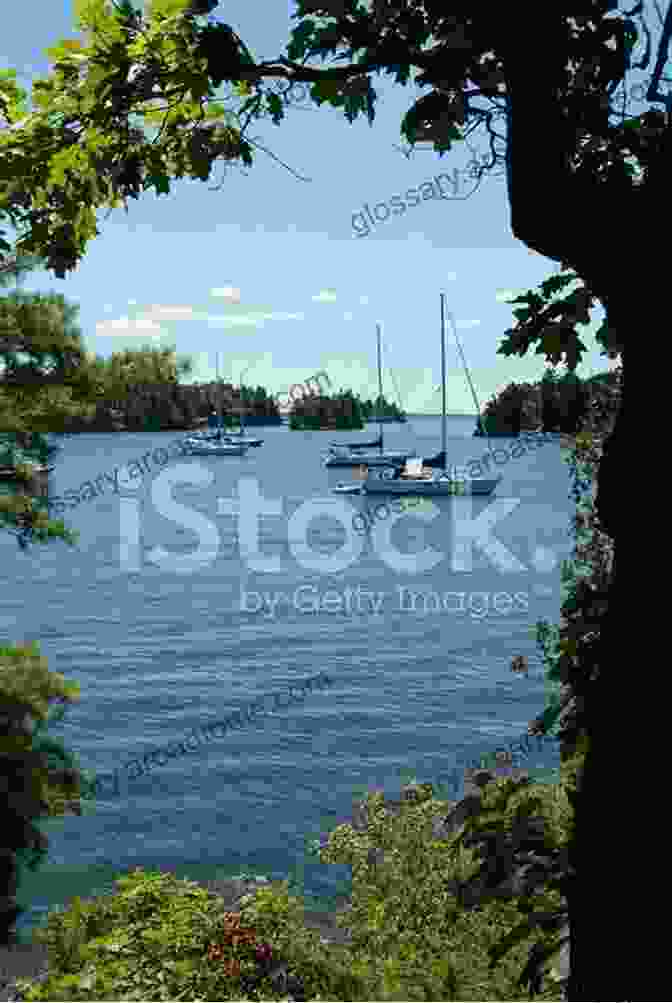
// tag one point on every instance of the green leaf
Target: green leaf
(275, 107)
(161, 183)
(327, 90)
(301, 39)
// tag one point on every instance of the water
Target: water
(158, 651)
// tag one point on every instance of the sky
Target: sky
(274, 278)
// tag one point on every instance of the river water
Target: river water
(161, 648)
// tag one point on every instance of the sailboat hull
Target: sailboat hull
(374, 444)
(390, 459)
(438, 484)
(214, 449)
(228, 438)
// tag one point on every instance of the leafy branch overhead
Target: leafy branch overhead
(86, 141)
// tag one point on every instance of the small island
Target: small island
(556, 404)
(344, 410)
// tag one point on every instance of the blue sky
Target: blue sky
(272, 273)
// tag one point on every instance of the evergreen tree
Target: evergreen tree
(39, 776)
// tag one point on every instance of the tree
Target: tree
(553, 84)
(16, 267)
(39, 775)
(142, 382)
(139, 370)
(38, 392)
(574, 400)
(550, 411)
(503, 413)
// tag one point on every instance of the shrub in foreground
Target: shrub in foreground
(162, 938)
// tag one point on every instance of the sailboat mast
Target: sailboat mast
(380, 392)
(219, 396)
(443, 383)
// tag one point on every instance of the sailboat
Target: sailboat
(239, 438)
(218, 435)
(374, 444)
(355, 454)
(418, 480)
(202, 446)
(217, 442)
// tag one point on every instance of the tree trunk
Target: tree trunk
(602, 950)
(579, 220)
(613, 950)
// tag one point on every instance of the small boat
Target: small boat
(237, 437)
(196, 447)
(231, 438)
(217, 434)
(344, 488)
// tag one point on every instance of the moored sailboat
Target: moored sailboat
(355, 454)
(419, 479)
(228, 438)
(216, 433)
(208, 447)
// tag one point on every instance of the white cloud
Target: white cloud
(124, 326)
(347, 315)
(159, 312)
(148, 319)
(132, 302)
(252, 319)
(450, 276)
(363, 300)
(227, 292)
(325, 296)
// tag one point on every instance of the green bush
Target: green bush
(151, 942)
(412, 939)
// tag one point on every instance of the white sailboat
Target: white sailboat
(210, 447)
(217, 442)
(352, 455)
(239, 438)
(414, 480)
(218, 435)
